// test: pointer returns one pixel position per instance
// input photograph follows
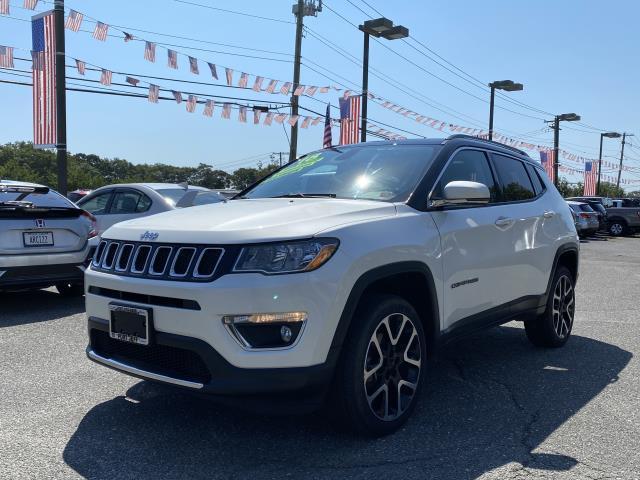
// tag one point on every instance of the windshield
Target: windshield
(386, 172)
(51, 199)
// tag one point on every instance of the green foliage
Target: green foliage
(20, 161)
(607, 189)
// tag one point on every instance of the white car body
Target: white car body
(480, 264)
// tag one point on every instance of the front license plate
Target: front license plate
(37, 239)
(130, 324)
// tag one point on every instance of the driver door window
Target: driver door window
(469, 165)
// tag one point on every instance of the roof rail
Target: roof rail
(471, 137)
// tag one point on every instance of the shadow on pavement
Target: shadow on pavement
(491, 400)
(32, 306)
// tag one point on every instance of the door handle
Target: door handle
(549, 214)
(504, 222)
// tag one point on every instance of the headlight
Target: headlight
(289, 257)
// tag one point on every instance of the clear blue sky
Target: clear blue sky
(572, 56)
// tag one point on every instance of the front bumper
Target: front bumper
(193, 364)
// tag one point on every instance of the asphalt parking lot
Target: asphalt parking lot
(495, 408)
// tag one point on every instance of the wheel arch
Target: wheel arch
(568, 256)
(412, 281)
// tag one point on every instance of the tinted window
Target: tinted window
(586, 208)
(574, 207)
(373, 172)
(51, 199)
(514, 181)
(470, 165)
(597, 206)
(125, 202)
(96, 205)
(534, 175)
(143, 204)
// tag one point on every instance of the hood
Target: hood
(250, 220)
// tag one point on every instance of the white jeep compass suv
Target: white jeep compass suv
(338, 277)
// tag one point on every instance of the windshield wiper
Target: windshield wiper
(306, 195)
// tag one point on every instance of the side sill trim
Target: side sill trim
(142, 373)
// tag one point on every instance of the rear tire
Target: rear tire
(553, 328)
(381, 370)
(70, 289)
(617, 228)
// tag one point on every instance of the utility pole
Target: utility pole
(556, 148)
(61, 97)
(300, 10)
(624, 137)
(491, 104)
(365, 86)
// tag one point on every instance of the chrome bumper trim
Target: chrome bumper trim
(143, 373)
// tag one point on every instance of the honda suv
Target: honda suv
(338, 277)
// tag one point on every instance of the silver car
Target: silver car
(587, 222)
(112, 204)
(43, 239)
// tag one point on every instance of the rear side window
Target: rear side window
(96, 205)
(469, 165)
(514, 180)
(586, 208)
(538, 184)
(129, 202)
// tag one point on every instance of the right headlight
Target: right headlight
(286, 257)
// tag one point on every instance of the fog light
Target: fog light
(265, 330)
(285, 334)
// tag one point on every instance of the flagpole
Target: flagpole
(61, 97)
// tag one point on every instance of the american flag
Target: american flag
(349, 119)
(214, 72)
(100, 32)
(80, 65)
(244, 80)
(547, 159)
(268, 119)
(257, 86)
(192, 100)
(154, 93)
(256, 116)
(132, 81)
(45, 126)
(193, 65)
(242, 114)
(74, 20)
(6, 57)
(177, 95)
(150, 51)
(326, 140)
(293, 119)
(172, 58)
(105, 77)
(4, 7)
(285, 88)
(128, 37)
(590, 176)
(311, 90)
(226, 111)
(299, 90)
(271, 87)
(30, 4)
(208, 108)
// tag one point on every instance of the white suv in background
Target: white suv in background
(338, 277)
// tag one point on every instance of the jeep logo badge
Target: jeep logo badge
(149, 235)
(39, 222)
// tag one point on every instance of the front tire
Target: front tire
(381, 371)
(553, 328)
(70, 289)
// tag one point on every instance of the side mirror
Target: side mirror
(462, 192)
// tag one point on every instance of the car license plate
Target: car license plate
(37, 239)
(130, 324)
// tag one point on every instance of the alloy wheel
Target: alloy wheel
(392, 366)
(563, 306)
(616, 229)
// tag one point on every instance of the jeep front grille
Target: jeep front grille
(194, 263)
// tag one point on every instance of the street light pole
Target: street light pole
(506, 85)
(624, 137)
(602, 135)
(565, 117)
(61, 97)
(380, 27)
(365, 86)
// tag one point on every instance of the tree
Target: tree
(610, 190)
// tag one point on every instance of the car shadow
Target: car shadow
(491, 400)
(33, 306)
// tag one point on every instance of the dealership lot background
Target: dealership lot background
(495, 407)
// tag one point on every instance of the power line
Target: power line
(234, 12)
